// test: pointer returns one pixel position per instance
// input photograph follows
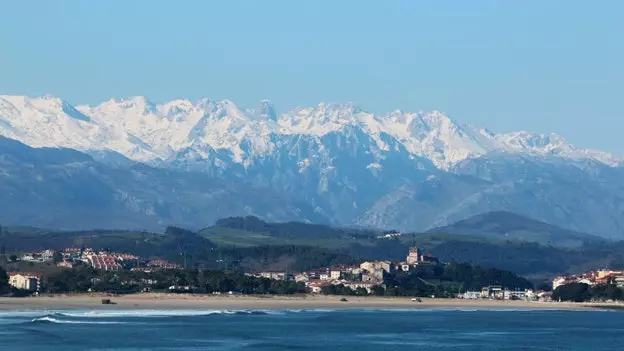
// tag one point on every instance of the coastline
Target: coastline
(162, 301)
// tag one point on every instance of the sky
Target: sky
(541, 66)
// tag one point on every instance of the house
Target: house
(104, 262)
(65, 263)
(302, 277)
(545, 296)
(163, 264)
(316, 274)
(471, 295)
(355, 270)
(405, 267)
(414, 257)
(375, 276)
(25, 280)
(47, 255)
(370, 266)
(272, 275)
(315, 285)
(494, 292)
(27, 257)
(340, 270)
(275, 275)
(428, 258)
(335, 274)
(363, 285)
(559, 281)
(181, 288)
(619, 280)
(125, 256)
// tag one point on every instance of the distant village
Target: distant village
(73, 257)
(600, 277)
(369, 274)
(365, 276)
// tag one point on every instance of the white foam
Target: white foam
(52, 319)
(24, 313)
(156, 313)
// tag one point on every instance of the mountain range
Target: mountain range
(132, 163)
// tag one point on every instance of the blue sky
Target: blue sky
(542, 66)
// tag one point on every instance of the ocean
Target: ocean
(344, 329)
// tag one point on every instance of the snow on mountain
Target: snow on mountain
(148, 132)
(49, 121)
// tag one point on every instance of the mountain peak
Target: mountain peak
(169, 126)
(265, 110)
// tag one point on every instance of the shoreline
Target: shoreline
(163, 301)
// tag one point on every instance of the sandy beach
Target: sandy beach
(223, 302)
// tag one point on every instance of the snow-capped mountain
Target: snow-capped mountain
(144, 131)
(403, 170)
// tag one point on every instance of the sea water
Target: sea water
(344, 329)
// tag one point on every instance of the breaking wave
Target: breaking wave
(159, 313)
(55, 320)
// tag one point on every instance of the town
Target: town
(365, 278)
(593, 278)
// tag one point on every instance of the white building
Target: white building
(335, 274)
(471, 295)
(25, 281)
(356, 285)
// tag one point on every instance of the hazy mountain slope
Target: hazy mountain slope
(60, 188)
(510, 226)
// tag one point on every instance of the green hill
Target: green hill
(510, 226)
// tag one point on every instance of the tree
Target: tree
(58, 257)
(575, 292)
(4, 282)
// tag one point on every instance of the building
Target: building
(274, 275)
(363, 285)
(559, 281)
(47, 255)
(104, 262)
(65, 263)
(375, 271)
(302, 277)
(375, 276)
(25, 281)
(619, 281)
(315, 285)
(163, 264)
(493, 292)
(353, 270)
(325, 276)
(471, 295)
(340, 270)
(413, 257)
(428, 258)
(370, 266)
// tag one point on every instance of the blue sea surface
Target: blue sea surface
(344, 329)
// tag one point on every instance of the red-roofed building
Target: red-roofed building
(316, 285)
(105, 262)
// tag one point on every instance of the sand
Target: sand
(227, 302)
